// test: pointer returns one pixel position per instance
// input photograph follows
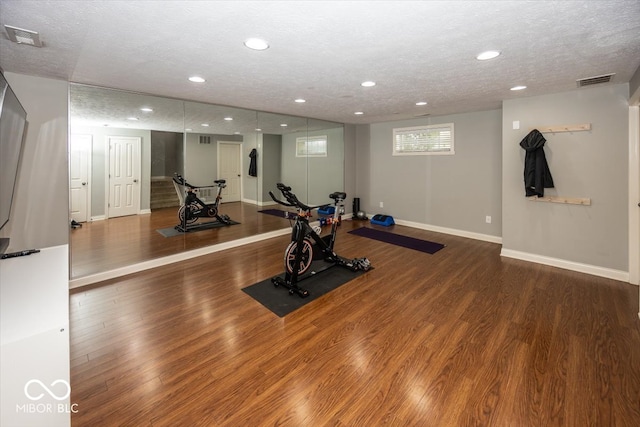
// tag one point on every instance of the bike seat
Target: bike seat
(338, 195)
(220, 181)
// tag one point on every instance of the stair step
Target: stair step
(163, 194)
(163, 205)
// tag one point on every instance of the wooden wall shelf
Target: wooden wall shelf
(566, 200)
(565, 128)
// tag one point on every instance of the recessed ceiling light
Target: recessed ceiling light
(258, 130)
(421, 103)
(256, 44)
(490, 54)
(228, 118)
(146, 109)
(368, 83)
(518, 87)
(205, 125)
(196, 79)
(358, 113)
(188, 129)
(132, 118)
(284, 125)
(300, 100)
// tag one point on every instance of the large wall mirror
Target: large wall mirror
(152, 139)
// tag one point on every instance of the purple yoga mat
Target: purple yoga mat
(397, 239)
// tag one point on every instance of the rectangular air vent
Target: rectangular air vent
(205, 139)
(595, 80)
(22, 36)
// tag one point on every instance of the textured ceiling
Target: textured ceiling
(95, 106)
(322, 50)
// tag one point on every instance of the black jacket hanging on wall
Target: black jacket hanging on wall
(253, 165)
(537, 175)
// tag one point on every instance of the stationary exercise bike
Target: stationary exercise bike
(194, 208)
(307, 245)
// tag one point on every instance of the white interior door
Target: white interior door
(124, 176)
(79, 155)
(229, 168)
(634, 192)
(634, 266)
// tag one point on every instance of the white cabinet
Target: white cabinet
(34, 333)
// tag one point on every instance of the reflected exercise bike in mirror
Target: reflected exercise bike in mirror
(307, 245)
(192, 207)
(200, 141)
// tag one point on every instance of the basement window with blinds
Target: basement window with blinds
(311, 146)
(423, 140)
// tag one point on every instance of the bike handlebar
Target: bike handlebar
(179, 179)
(292, 200)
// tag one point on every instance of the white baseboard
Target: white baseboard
(144, 211)
(594, 270)
(452, 231)
(508, 253)
(98, 218)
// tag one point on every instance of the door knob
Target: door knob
(84, 183)
(135, 180)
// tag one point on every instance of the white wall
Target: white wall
(40, 212)
(589, 164)
(34, 290)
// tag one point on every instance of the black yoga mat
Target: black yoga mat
(172, 231)
(399, 240)
(278, 212)
(280, 302)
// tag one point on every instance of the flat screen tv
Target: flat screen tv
(13, 120)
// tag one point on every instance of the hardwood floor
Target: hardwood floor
(459, 338)
(118, 242)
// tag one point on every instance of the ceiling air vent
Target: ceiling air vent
(22, 36)
(205, 139)
(595, 80)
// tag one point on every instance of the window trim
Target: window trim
(449, 152)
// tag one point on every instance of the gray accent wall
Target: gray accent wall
(312, 179)
(592, 164)
(326, 174)
(250, 184)
(270, 164)
(40, 210)
(350, 176)
(201, 160)
(456, 192)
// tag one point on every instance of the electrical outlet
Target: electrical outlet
(381, 204)
(488, 219)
